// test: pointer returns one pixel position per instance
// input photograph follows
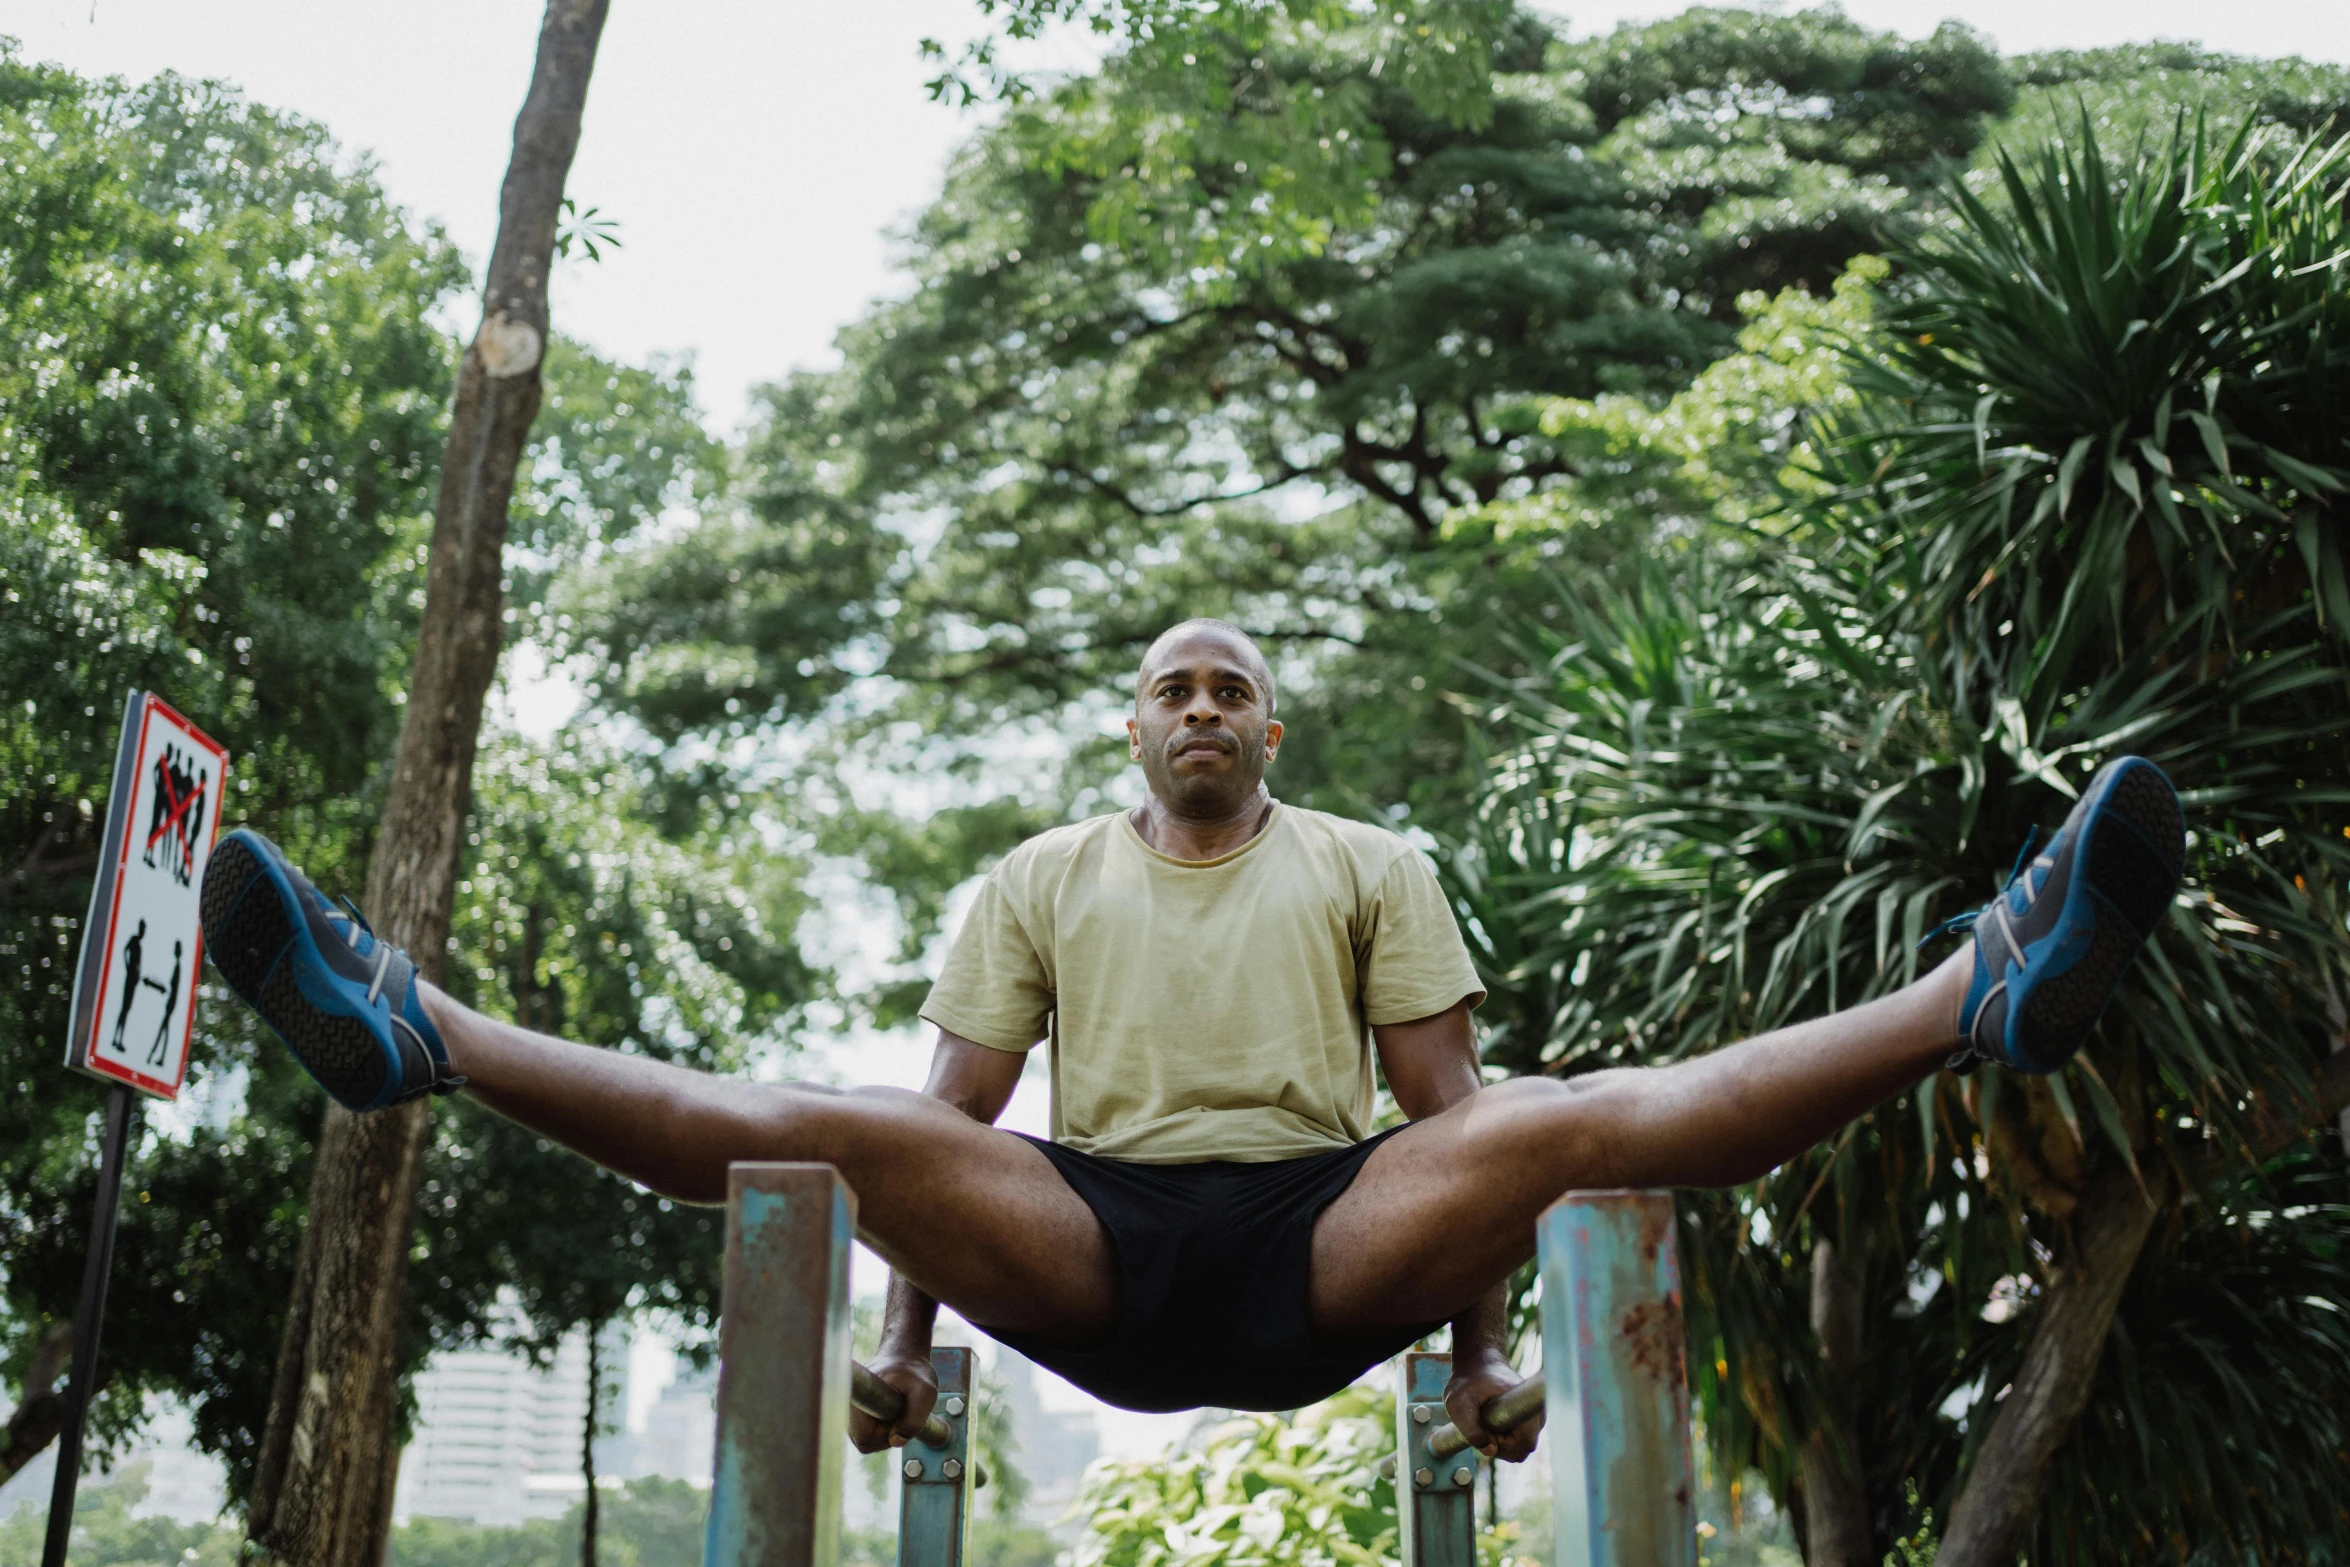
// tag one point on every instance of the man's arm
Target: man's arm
(1431, 1065)
(979, 1082)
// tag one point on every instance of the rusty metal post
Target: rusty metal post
(783, 1375)
(1622, 1488)
(934, 1511)
(1436, 1496)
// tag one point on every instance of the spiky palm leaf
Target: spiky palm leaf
(2081, 511)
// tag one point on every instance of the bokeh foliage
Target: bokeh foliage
(220, 403)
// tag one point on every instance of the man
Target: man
(1214, 1222)
(133, 954)
(171, 1005)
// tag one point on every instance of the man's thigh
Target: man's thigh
(1445, 1209)
(975, 1217)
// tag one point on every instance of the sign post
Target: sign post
(161, 817)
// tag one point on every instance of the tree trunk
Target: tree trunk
(40, 1411)
(2003, 1487)
(1835, 1497)
(2109, 1228)
(587, 1449)
(322, 1486)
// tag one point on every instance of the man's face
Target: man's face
(1202, 727)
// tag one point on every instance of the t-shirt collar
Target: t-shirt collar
(1272, 821)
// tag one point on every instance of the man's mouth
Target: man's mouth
(1203, 744)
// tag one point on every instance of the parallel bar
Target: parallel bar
(1526, 1401)
(1436, 1494)
(935, 1472)
(869, 1394)
(1622, 1488)
(783, 1376)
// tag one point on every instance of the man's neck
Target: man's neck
(1201, 838)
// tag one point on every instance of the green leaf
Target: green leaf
(2214, 445)
(2069, 471)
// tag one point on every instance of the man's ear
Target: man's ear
(1133, 740)
(1272, 741)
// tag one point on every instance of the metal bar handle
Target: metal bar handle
(1509, 1410)
(886, 1404)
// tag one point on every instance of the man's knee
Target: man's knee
(857, 1127)
(1557, 1103)
(1569, 1124)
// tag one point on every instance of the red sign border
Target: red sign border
(91, 1061)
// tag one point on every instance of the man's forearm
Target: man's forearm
(1484, 1327)
(907, 1321)
(979, 1082)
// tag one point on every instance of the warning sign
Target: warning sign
(142, 950)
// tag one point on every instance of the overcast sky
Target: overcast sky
(756, 152)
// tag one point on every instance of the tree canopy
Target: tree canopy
(220, 392)
(1064, 439)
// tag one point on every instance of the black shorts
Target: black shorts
(1211, 1263)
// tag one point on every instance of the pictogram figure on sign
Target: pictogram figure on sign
(175, 814)
(130, 980)
(171, 1008)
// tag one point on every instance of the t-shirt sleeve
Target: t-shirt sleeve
(1417, 965)
(994, 990)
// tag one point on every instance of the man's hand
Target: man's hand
(1478, 1378)
(909, 1374)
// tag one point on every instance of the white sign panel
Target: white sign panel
(134, 1010)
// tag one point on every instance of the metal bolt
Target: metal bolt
(1423, 1477)
(913, 1468)
(954, 1406)
(1463, 1475)
(1421, 1414)
(952, 1469)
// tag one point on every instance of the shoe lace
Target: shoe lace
(444, 1081)
(354, 924)
(1966, 921)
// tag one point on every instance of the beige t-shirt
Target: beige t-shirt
(1209, 1009)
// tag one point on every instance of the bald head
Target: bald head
(1203, 726)
(1206, 628)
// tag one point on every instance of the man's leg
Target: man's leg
(1447, 1206)
(974, 1217)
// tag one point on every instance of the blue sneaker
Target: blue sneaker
(345, 1003)
(2051, 949)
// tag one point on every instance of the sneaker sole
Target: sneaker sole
(2127, 871)
(251, 935)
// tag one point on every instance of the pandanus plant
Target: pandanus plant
(2089, 501)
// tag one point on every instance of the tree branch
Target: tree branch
(1148, 513)
(1360, 463)
(40, 1413)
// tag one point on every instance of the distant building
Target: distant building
(1052, 1448)
(497, 1439)
(680, 1438)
